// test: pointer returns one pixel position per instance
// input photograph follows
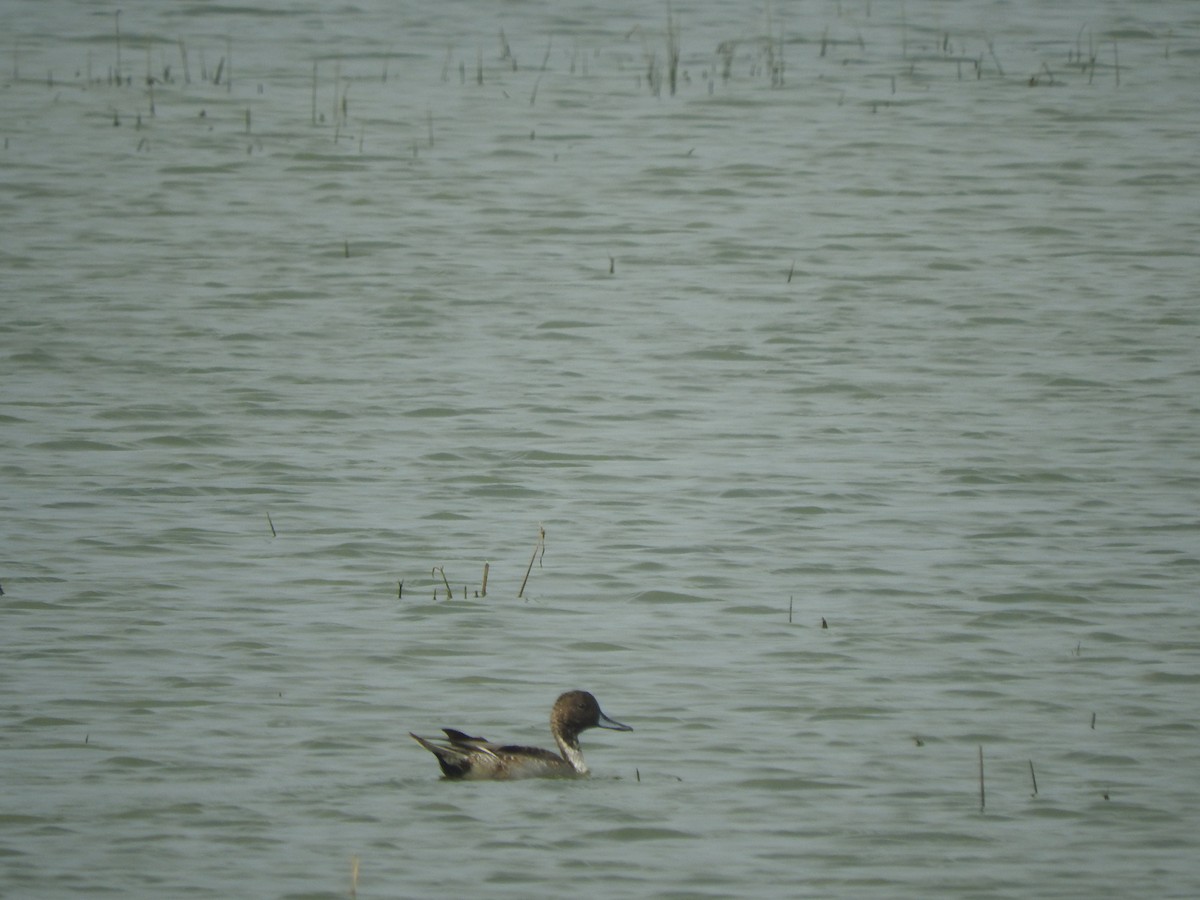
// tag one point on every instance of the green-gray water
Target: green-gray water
(895, 326)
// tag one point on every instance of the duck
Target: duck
(464, 757)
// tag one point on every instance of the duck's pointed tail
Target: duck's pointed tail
(454, 762)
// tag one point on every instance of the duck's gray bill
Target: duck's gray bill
(606, 722)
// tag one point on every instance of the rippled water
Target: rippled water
(900, 337)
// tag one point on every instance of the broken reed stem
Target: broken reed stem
(791, 272)
(539, 546)
(982, 796)
(1033, 776)
(483, 590)
(442, 571)
(354, 876)
(272, 524)
(790, 601)
(314, 94)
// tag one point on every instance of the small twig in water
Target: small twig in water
(982, 797)
(483, 591)
(540, 546)
(442, 571)
(1034, 777)
(272, 524)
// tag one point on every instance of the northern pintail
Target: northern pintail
(463, 756)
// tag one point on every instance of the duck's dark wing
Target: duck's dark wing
(459, 737)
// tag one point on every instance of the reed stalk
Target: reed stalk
(540, 546)
(271, 525)
(483, 589)
(1033, 776)
(440, 570)
(672, 50)
(187, 74)
(982, 796)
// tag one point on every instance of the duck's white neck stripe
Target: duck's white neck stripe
(575, 757)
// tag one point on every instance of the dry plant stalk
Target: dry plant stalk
(540, 546)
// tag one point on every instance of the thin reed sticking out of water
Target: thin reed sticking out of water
(272, 524)
(187, 74)
(483, 589)
(539, 547)
(982, 796)
(1033, 776)
(440, 570)
(672, 50)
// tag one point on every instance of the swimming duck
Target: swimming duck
(463, 756)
